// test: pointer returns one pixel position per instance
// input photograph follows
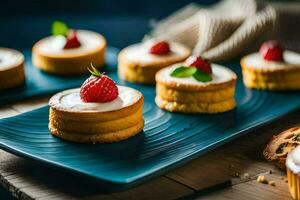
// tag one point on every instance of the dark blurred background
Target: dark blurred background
(122, 22)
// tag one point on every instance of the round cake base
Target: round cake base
(144, 66)
(271, 75)
(12, 76)
(72, 61)
(72, 119)
(186, 95)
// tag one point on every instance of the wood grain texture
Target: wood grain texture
(251, 190)
(241, 156)
(26, 179)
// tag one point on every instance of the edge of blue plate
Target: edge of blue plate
(114, 183)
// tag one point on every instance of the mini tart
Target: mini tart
(272, 75)
(74, 120)
(11, 68)
(137, 65)
(293, 172)
(187, 95)
(48, 54)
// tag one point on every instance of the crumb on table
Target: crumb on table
(262, 179)
(272, 183)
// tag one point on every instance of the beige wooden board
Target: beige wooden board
(240, 161)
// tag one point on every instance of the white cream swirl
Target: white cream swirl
(220, 74)
(53, 45)
(255, 60)
(139, 53)
(293, 160)
(70, 100)
(10, 58)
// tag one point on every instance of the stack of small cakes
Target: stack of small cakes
(272, 68)
(98, 112)
(195, 86)
(69, 51)
(11, 68)
(139, 63)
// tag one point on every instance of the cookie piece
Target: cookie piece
(280, 145)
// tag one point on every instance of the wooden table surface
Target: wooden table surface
(239, 161)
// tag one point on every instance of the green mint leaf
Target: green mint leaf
(59, 28)
(183, 72)
(202, 77)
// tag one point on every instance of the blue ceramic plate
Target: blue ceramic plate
(41, 83)
(168, 139)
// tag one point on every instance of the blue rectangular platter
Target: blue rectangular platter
(168, 139)
(40, 83)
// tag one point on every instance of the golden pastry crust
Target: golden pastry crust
(110, 137)
(287, 80)
(280, 145)
(13, 76)
(198, 107)
(270, 78)
(294, 184)
(92, 126)
(144, 72)
(69, 63)
(187, 96)
(136, 74)
(95, 126)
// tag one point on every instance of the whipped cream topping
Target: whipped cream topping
(10, 58)
(293, 160)
(220, 75)
(54, 44)
(139, 53)
(255, 60)
(70, 100)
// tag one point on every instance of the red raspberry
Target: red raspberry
(200, 63)
(271, 50)
(72, 40)
(160, 48)
(98, 88)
